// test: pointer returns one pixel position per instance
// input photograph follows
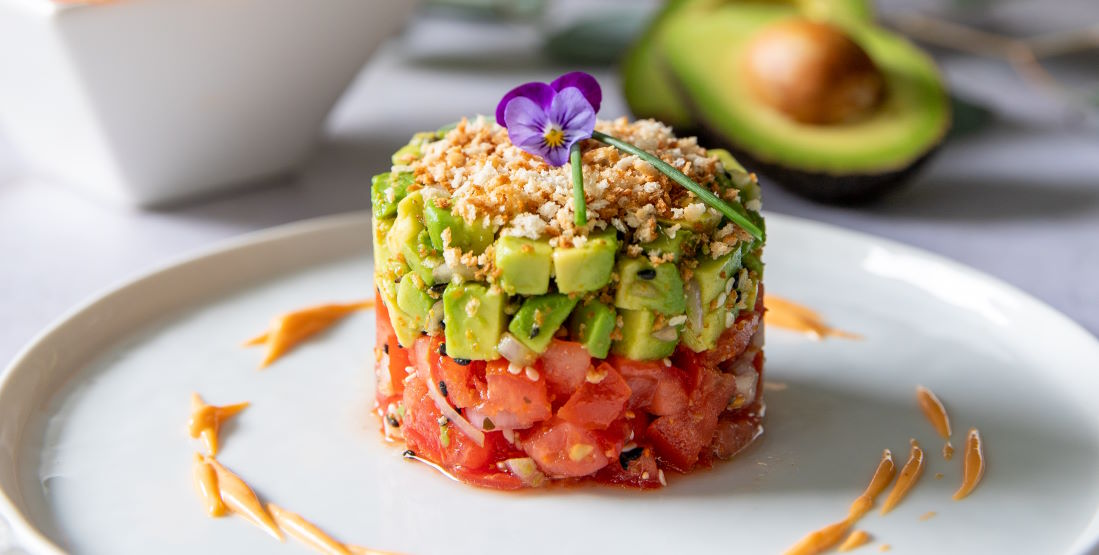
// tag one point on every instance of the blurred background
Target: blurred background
(1012, 190)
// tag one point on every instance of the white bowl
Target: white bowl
(152, 101)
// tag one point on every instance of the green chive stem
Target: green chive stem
(578, 202)
(678, 176)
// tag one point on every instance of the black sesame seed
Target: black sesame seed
(442, 349)
(647, 273)
(534, 331)
(385, 348)
(487, 425)
(392, 420)
(423, 332)
(628, 457)
(408, 454)
(462, 361)
(439, 287)
(442, 388)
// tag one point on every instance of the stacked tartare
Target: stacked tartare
(515, 349)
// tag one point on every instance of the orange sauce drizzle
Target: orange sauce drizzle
(909, 475)
(206, 420)
(855, 540)
(242, 500)
(885, 547)
(291, 329)
(360, 550)
(974, 464)
(304, 531)
(786, 314)
(928, 515)
(935, 412)
(828, 537)
(206, 480)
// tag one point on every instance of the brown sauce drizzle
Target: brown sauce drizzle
(786, 314)
(828, 537)
(206, 420)
(909, 475)
(855, 540)
(289, 330)
(935, 412)
(974, 463)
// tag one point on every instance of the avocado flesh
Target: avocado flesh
(637, 342)
(587, 267)
(539, 318)
(386, 191)
(525, 265)
(911, 120)
(641, 285)
(467, 237)
(591, 324)
(474, 321)
(404, 325)
(645, 83)
(413, 300)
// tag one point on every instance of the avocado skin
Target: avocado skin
(844, 190)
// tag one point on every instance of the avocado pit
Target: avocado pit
(813, 73)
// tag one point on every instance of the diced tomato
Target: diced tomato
(596, 405)
(565, 364)
(732, 435)
(391, 354)
(669, 395)
(514, 395)
(563, 449)
(678, 438)
(464, 384)
(640, 470)
(424, 435)
(641, 377)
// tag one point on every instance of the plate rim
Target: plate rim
(26, 535)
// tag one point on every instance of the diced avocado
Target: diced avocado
(705, 337)
(474, 320)
(592, 324)
(386, 192)
(467, 237)
(414, 149)
(638, 342)
(714, 274)
(538, 319)
(644, 286)
(409, 237)
(587, 267)
(666, 244)
(753, 263)
(385, 263)
(412, 299)
(404, 325)
(524, 265)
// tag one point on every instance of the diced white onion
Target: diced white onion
(455, 417)
(526, 470)
(514, 350)
(442, 273)
(667, 333)
(746, 385)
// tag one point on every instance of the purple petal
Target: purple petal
(557, 156)
(540, 93)
(526, 123)
(573, 113)
(587, 84)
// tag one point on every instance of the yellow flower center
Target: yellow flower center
(554, 137)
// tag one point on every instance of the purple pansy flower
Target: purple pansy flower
(547, 119)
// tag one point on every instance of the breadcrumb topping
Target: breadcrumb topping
(490, 180)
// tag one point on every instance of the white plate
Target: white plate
(94, 457)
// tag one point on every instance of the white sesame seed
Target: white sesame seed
(532, 374)
(514, 370)
(660, 476)
(678, 320)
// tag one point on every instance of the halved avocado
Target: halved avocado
(701, 49)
